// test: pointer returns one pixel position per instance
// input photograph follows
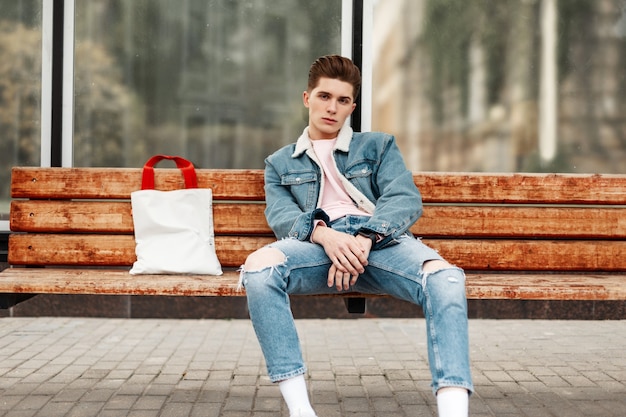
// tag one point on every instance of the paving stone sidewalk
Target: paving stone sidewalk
(83, 367)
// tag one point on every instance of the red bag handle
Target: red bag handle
(186, 167)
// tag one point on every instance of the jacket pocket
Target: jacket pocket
(298, 178)
(303, 186)
(361, 170)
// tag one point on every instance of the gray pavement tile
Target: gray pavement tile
(368, 367)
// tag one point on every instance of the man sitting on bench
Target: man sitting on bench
(341, 204)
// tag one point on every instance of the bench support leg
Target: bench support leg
(355, 305)
(11, 300)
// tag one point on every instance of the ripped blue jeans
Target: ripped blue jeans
(395, 270)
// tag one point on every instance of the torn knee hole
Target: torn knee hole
(435, 266)
(264, 258)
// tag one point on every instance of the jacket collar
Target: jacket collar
(304, 142)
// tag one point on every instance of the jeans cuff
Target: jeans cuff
(288, 375)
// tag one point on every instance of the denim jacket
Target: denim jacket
(372, 171)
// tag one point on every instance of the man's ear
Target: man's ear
(305, 98)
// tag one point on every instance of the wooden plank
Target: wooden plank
(66, 216)
(470, 254)
(110, 250)
(245, 218)
(118, 183)
(69, 216)
(522, 222)
(533, 255)
(522, 188)
(114, 282)
(119, 282)
(85, 250)
(546, 287)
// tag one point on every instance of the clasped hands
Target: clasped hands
(348, 255)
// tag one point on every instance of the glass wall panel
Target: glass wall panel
(510, 85)
(20, 90)
(217, 81)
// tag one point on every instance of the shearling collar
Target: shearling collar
(304, 142)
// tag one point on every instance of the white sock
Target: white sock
(296, 396)
(453, 402)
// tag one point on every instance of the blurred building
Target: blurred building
(527, 85)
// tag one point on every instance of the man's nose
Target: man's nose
(332, 106)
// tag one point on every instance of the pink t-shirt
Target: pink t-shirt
(335, 200)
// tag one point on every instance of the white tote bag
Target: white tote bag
(173, 229)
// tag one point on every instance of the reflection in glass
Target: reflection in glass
(20, 90)
(519, 85)
(217, 81)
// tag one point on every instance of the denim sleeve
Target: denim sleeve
(399, 203)
(283, 213)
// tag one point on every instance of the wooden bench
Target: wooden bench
(518, 236)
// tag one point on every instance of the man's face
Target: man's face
(329, 104)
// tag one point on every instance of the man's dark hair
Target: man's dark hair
(335, 67)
